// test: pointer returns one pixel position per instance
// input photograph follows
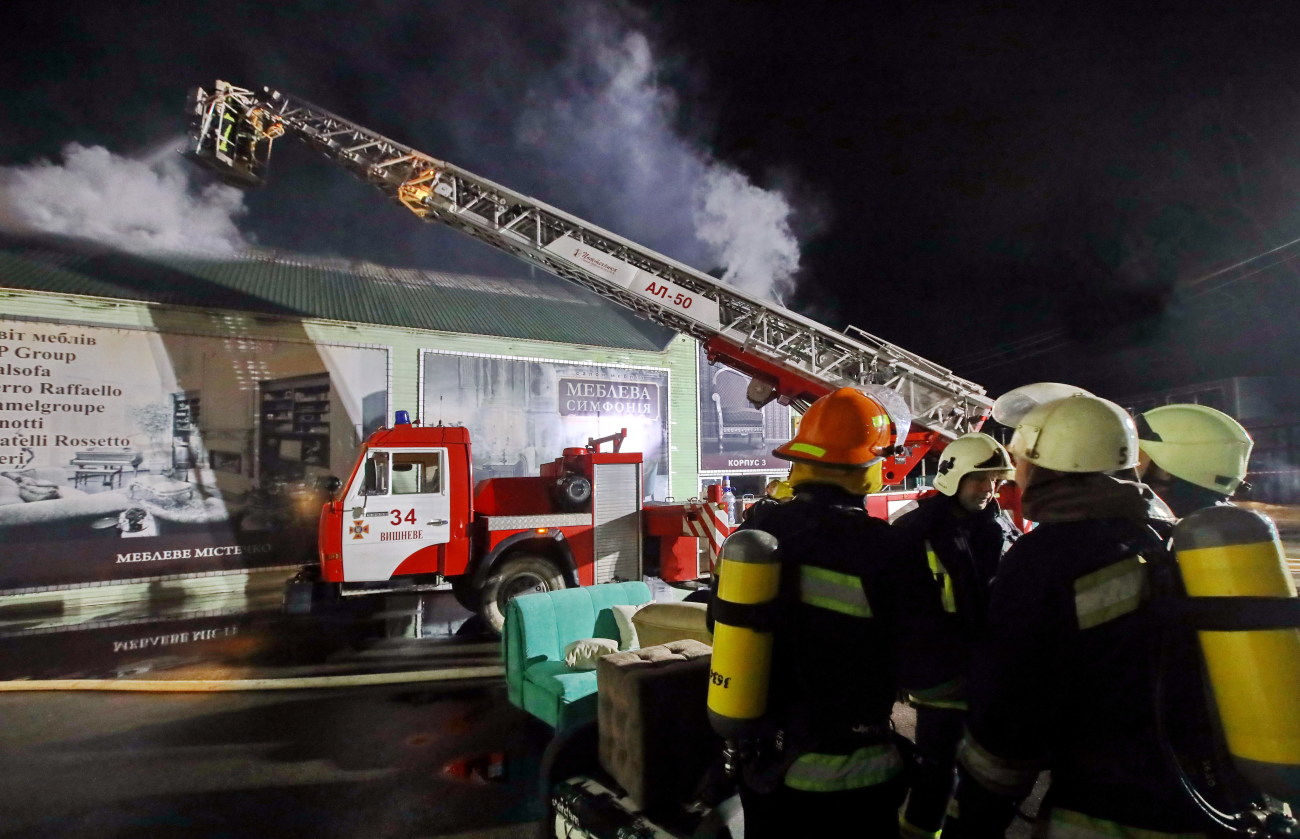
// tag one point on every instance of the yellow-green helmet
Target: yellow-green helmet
(1080, 433)
(969, 453)
(1197, 444)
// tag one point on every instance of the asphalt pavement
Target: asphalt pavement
(239, 635)
(210, 714)
(217, 714)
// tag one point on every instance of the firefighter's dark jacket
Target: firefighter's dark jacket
(967, 547)
(832, 671)
(1063, 679)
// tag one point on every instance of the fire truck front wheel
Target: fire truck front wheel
(462, 588)
(520, 574)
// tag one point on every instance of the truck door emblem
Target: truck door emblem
(360, 529)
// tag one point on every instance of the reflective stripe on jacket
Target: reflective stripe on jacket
(833, 590)
(864, 767)
(942, 578)
(1003, 776)
(1110, 592)
(1067, 824)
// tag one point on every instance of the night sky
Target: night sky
(1018, 191)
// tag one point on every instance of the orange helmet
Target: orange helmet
(843, 428)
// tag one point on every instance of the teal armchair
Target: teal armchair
(538, 628)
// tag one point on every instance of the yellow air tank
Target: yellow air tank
(749, 577)
(1230, 552)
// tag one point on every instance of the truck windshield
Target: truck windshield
(417, 472)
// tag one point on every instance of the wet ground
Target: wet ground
(438, 760)
(447, 756)
(443, 755)
(239, 634)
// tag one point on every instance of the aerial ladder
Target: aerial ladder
(789, 358)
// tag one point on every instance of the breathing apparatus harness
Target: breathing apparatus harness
(1253, 812)
(762, 733)
(754, 746)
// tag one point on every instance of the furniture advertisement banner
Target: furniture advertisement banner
(524, 412)
(127, 453)
(735, 437)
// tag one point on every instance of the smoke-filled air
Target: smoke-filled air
(155, 203)
(591, 127)
(615, 121)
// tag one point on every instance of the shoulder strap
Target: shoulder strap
(1215, 614)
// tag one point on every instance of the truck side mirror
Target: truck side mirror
(374, 480)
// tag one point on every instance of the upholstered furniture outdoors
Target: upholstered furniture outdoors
(659, 623)
(539, 628)
(655, 740)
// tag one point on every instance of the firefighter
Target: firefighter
(829, 759)
(1064, 678)
(962, 533)
(776, 492)
(1192, 456)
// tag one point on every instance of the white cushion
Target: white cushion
(583, 654)
(659, 623)
(627, 639)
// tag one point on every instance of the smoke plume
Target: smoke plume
(749, 230)
(568, 101)
(613, 127)
(146, 204)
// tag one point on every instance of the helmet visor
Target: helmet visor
(1011, 407)
(900, 413)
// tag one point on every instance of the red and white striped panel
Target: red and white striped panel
(711, 524)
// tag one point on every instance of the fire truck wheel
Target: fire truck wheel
(522, 574)
(462, 588)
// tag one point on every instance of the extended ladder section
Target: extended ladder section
(788, 357)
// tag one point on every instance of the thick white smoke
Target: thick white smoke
(613, 127)
(149, 204)
(749, 230)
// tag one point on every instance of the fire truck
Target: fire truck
(409, 511)
(410, 515)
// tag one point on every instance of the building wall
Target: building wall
(229, 399)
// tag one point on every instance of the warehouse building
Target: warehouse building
(172, 416)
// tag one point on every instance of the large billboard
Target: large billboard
(127, 453)
(522, 412)
(735, 437)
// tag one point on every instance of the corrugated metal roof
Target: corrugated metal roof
(538, 307)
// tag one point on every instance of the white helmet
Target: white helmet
(1198, 444)
(1080, 433)
(1011, 407)
(969, 453)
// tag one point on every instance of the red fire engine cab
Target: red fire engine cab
(410, 516)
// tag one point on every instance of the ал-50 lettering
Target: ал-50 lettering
(661, 291)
